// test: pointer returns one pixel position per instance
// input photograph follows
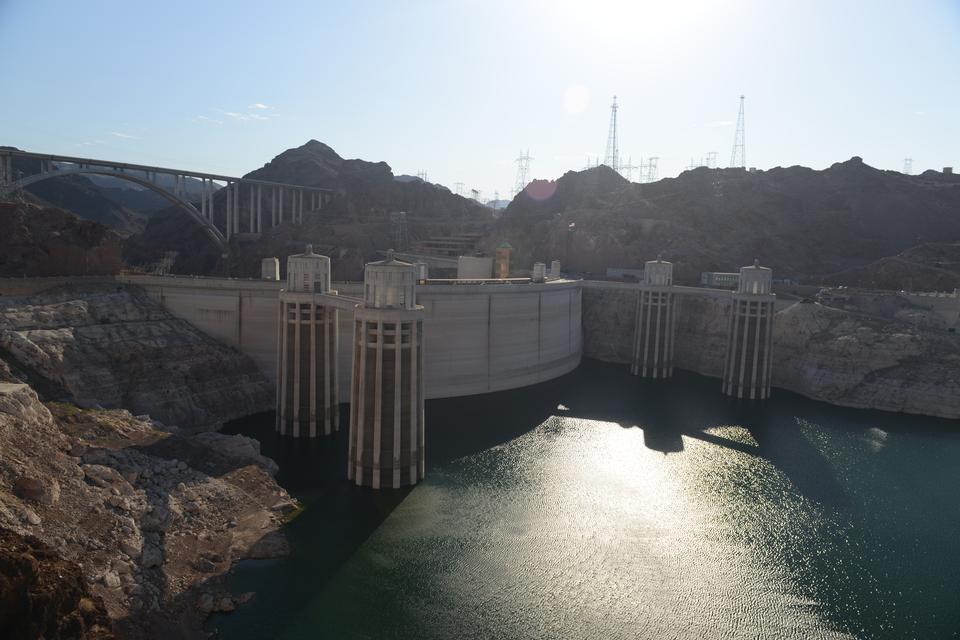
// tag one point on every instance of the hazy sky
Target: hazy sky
(459, 88)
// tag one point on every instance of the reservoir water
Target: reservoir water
(602, 506)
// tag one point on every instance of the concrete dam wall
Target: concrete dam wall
(478, 338)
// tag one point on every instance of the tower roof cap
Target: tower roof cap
(308, 253)
(390, 261)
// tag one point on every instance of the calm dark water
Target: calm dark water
(602, 506)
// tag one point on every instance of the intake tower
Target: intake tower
(746, 371)
(386, 393)
(656, 325)
(307, 340)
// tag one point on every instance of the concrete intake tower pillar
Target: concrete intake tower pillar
(386, 394)
(307, 402)
(746, 371)
(656, 325)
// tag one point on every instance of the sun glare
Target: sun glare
(624, 22)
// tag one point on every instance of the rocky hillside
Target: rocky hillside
(895, 359)
(802, 222)
(45, 596)
(133, 519)
(352, 228)
(112, 346)
(45, 241)
(932, 266)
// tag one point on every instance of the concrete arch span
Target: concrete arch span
(212, 232)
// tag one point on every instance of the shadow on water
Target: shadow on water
(338, 517)
(690, 405)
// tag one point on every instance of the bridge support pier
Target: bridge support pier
(229, 213)
(259, 208)
(252, 212)
(6, 171)
(273, 208)
(236, 207)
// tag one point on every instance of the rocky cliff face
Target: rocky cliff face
(44, 241)
(844, 357)
(866, 361)
(114, 347)
(148, 518)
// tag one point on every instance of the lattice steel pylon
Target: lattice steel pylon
(739, 156)
(401, 240)
(523, 171)
(652, 169)
(612, 157)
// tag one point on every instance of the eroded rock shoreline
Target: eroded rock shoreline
(148, 517)
(151, 533)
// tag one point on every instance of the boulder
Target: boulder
(30, 488)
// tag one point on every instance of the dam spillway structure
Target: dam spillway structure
(386, 446)
(307, 340)
(748, 365)
(656, 322)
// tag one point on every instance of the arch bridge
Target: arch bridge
(223, 206)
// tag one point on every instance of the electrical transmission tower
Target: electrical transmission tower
(626, 170)
(712, 159)
(908, 166)
(459, 188)
(612, 158)
(422, 174)
(401, 241)
(739, 156)
(652, 169)
(523, 171)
